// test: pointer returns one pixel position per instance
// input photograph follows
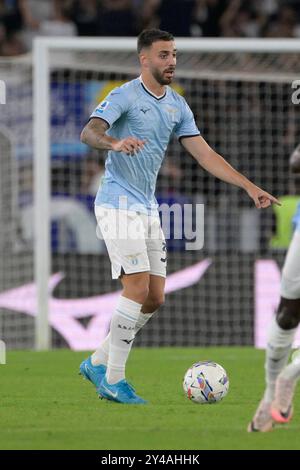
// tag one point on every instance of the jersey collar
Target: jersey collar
(150, 92)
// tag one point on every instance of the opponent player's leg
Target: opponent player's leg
(279, 391)
(286, 380)
(286, 323)
(281, 335)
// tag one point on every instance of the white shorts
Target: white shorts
(290, 279)
(135, 242)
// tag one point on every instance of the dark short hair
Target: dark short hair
(147, 37)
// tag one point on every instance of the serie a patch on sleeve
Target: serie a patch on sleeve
(102, 106)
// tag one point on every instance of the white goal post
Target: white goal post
(43, 48)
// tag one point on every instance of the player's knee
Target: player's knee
(141, 293)
(136, 287)
(155, 301)
(140, 289)
(138, 293)
(288, 313)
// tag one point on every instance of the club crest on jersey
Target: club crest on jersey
(102, 106)
(172, 112)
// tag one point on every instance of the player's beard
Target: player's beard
(161, 78)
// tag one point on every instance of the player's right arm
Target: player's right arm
(295, 160)
(94, 135)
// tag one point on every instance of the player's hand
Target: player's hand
(261, 198)
(130, 145)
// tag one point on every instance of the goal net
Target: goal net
(223, 294)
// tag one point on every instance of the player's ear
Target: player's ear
(143, 59)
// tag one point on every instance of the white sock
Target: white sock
(122, 331)
(100, 356)
(292, 371)
(277, 354)
(142, 320)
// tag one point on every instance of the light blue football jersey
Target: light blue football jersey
(296, 218)
(132, 110)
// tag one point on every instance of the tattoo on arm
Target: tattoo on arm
(94, 135)
(99, 125)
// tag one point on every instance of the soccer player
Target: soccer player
(281, 379)
(135, 123)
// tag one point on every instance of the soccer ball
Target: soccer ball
(206, 382)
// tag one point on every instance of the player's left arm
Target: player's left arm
(219, 167)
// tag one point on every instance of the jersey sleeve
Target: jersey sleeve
(112, 107)
(186, 126)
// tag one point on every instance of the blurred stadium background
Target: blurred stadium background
(242, 104)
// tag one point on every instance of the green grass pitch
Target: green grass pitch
(45, 404)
